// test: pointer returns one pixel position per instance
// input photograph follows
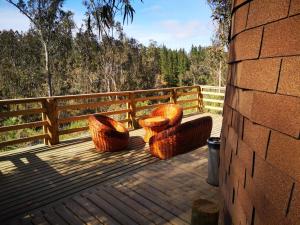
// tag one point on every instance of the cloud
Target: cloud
(184, 30)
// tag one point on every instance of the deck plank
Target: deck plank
(73, 184)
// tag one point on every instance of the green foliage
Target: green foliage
(82, 65)
(221, 14)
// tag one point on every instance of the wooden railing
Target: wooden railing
(52, 117)
(213, 97)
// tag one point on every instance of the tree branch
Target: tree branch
(22, 11)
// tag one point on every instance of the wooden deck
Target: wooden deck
(72, 184)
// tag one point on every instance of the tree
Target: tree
(45, 16)
(221, 13)
(101, 14)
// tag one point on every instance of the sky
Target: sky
(174, 23)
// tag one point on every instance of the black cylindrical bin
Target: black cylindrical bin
(213, 160)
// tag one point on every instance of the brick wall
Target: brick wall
(260, 149)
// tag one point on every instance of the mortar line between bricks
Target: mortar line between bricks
(245, 177)
(253, 163)
(288, 14)
(244, 29)
(247, 15)
(243, 126)
(264, 24)
(253, 216)
(274, 167)
(279, 75)
(261, 42)
(239, 6)
(271, 128)
(261, 91)
(267, 148)
(265, 57)
(290, 200)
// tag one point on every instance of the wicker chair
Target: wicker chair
(108, 135)
(161, 118)
(181, 139)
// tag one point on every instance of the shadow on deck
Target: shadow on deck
(70, 183)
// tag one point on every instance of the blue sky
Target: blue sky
(175, 23)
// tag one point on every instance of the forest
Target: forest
(97, 57)
(55, 57)
(80, 65)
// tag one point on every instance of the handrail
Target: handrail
(57, 111)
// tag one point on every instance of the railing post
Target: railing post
(200, 99)
(174, 96)
(51, 117)
(44, 118)
(131, 114)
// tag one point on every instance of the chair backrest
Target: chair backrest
(182, 138)
(106, 123)
(173, 112)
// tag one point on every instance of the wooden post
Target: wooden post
(44, 118)
(205, 212)
(131, 114)
(200, 99)
(174, 96)
(51, 117)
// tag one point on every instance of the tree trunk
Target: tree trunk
(47, 71)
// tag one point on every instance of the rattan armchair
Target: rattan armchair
(161, 118)
(108, 134)
(181, 139)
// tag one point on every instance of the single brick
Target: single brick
(237, 3)
(237, 171)
(232, 139)
(237, 122)
(282, 38)
(284, 152)
(238, 215)
(275, 185)
(272, 215)
(227, 155)
(231, 96)
(225, 128)
(230, 92)
(266, 211)
(245, 154)
(262, 11)
(258, 74)
(222, 169)
(223, 143)
(244, 200)
(227, 114)
(245, 45)
(257, 197)
(295, 7)
(244, 102)
(239, 24)
(289, 83)
(278, 112)
(294, 210)
(229, 72)
(256, 137)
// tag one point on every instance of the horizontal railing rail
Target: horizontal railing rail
(213, 97)
(52, 117)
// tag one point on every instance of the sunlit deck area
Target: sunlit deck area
(70, 183)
